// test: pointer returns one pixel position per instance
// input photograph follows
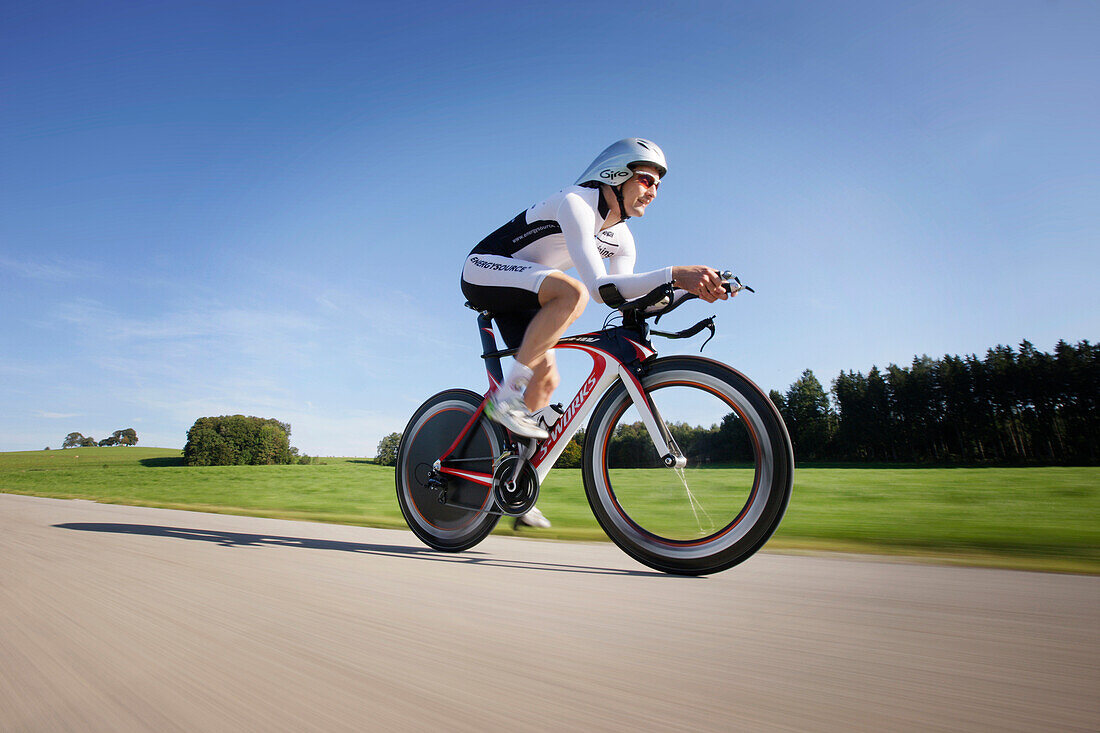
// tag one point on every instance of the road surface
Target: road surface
(118, 618)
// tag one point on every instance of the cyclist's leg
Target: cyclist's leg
(562, 300)
(510, 289)
(544, 381)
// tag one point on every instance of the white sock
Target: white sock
(517, 379)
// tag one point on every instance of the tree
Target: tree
(387, 450)
(206, 447)
(808, 416)
(88, 442)
(72, 440)
(778, 400)
(850, 392)
(880, 436)
(234, 440)
(631, 447)
(572, 453)
(129, 437)
(107, 442)
(735, 439)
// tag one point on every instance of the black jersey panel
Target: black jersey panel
(515, 235)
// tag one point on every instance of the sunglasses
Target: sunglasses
(648, 180)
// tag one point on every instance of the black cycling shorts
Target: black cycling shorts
(512, 308)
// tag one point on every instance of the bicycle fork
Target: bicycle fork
(659, 433)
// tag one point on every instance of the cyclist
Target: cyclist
(517, 273)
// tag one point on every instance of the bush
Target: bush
(236, 440)
(572, 453)
(387, 450)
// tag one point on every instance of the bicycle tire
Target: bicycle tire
(430, 432)
(745, 520)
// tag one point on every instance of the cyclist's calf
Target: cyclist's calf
(562, 300)
(543, 384)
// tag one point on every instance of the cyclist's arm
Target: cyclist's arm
(578, 222)
(622, 262)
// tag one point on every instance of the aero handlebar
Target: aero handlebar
(664, 299)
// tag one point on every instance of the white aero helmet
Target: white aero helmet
(613, 166)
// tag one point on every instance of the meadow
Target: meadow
(1042, 518)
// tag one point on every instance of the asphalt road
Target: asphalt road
(126, 619)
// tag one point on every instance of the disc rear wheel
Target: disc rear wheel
(448, 512)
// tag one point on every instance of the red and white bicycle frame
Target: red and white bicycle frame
(615, 354)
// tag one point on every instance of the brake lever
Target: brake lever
(710, 325)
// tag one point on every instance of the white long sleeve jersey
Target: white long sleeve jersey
(563, 231)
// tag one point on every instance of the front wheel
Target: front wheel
(728, 500)
(448, 513)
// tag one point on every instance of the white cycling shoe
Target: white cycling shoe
(509, 411)
(533, 518)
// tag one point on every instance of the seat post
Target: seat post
(489, 345)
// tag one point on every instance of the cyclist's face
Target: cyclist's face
(640, 190)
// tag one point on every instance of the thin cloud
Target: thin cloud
(51, 271)
(228, 323)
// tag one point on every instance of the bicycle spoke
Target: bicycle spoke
(696, 507)
(681, 473)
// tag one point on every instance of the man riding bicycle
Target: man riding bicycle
(517, 274)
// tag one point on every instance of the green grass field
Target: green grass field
(1036, 518)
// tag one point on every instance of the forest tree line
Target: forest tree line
(119, 437)
(1013, 405)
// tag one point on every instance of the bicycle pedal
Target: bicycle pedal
(501, 459)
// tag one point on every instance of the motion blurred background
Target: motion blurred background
(262, 208)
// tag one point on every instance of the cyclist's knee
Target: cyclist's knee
(564, 291)
(582, 299)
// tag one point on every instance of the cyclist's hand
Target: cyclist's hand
(701, 281)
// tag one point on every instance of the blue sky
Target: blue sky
(262, 208)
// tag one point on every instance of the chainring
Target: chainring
(515, 498)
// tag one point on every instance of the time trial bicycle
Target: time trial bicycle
(658, 425)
